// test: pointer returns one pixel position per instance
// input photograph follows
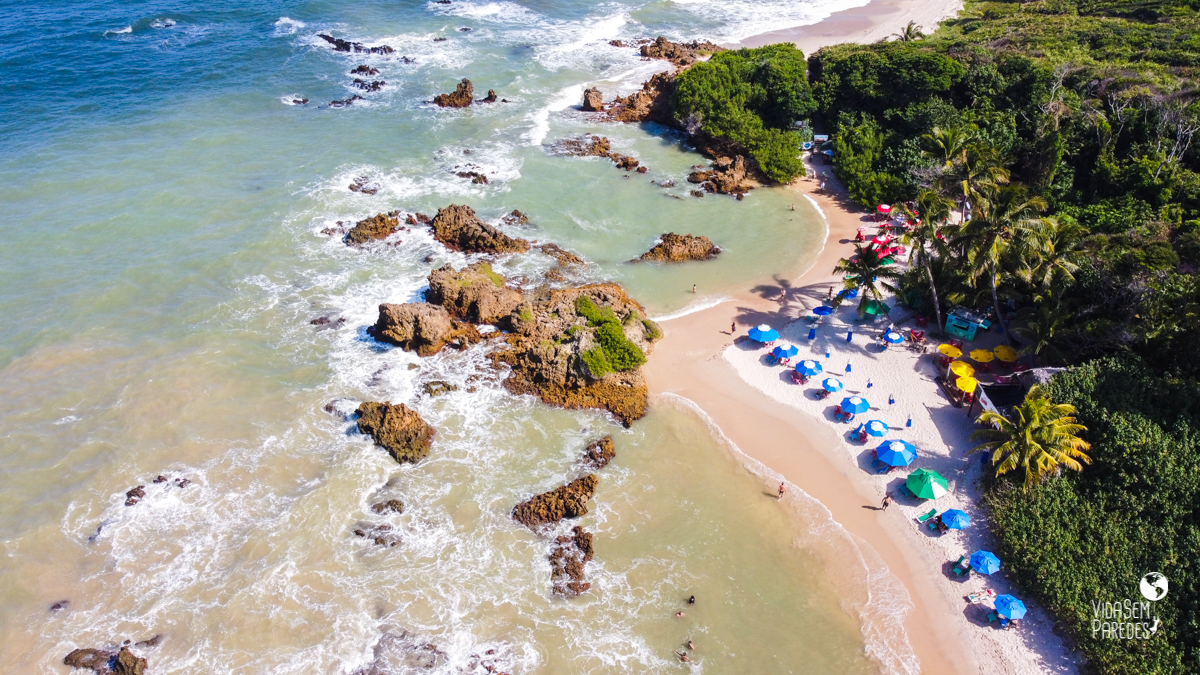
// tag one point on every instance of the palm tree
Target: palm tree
(863, 271)
(911, 33)
(948, 145)
(923, 236)
(999, 225)
(1041, 437)
(1053, 258)
(1040, 328)
(978, 175)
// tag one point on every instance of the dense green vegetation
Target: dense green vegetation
(1047, 149)
(614, 350)
(750, 97)
(1089, 536)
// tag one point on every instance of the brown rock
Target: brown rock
(567, 561)
(562, 255)
(397, 429)
(435, 388)
(679, 53)
(593, 100)
(476, 177)
(651, 104)
(567, 501)
(340, 45)
(516, 218)
(135, 495)
(421, 327)
(617, 43)
(475, 293)
(679, 247)
(461, 230)
(491, 96)
(376, 227)
(626, 162)
(91, 659)
(730, 175)
(599, 453)
(364, 69)
(391, 505)
(462, 97)
(587, 145)
(128, 664)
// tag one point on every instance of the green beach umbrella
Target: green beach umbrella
(874, 307)
(926, 484)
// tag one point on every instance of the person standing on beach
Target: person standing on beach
(887, 500)
(732, 327)
(693, 288)
(782, 489)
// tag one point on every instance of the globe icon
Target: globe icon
(1153, 586)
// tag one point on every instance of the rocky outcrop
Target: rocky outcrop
(593, 100)
(462, 97)
(461, 230)
(364, 185)
(516, 218)
(680, 247)
(651, 104)
(567, 561)
(589, 145)
(380, 226)
(346, 101)
(435, 388)
(397, 429)
(364, 69)
(476, 177)
(559, 354)
(681, 54)
(381, 535)
(562, 255)
(135, 495)
(567, 501)
(104, 662)
(474, 293)
(390, 506)
(340, 45)
(728, 176)
(422, 328)
(617, 43)
(599, 453)
(374, 85)
(490, 98)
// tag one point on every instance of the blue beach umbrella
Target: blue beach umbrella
(855, 404)
(764, 333)
(808, 368)
(831, 384)
(851, 294)
(955, 519)
(896, 453)
(877, 429)
(893, 338)
(786, 352)
(823, 310)
(985, 562)
(1009, 607)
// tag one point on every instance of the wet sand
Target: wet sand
(875, 21)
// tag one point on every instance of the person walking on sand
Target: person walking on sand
(887, 500)
(732, 327)
(782, 489)
(830, 293)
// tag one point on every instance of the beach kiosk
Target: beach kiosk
(964, 323)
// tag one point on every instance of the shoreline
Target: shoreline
(875, 21)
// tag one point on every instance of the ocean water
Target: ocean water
(162, 260)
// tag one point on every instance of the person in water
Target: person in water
(692, 600)
(680, 614)
(690, 646)
(683, 657)
(782, 489)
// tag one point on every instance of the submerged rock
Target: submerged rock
(562, 255)
(476, 177)
(474, 293)
(135, 495)
(390, 506)
(422, 328)
(599, 453)
(376, 227)
(567, 561)
(679, 247)
(462, 97)
(346, 101)
(435, 388)
(364, 69)
(104, 662)
(374, 85)
(490, 98)
(397, 429)
(381, 535)
(587, 145)
(593, 100)
(459, 229)
(679, 53)
(516, 218)
(567, 501)
(340, 45)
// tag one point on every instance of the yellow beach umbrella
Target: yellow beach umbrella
(966, 384)
(982, 355)
(950, 351)
(1005, 353)
(962, 369)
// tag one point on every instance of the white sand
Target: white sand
(941, 434)
(875, 21)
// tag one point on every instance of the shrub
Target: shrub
(618, 352)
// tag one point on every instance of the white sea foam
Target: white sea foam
(734, 20)
(162, 23)
(561, 100)
(286, 26)
(120, 31)
(695, 306)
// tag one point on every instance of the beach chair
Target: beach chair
(772, 359)
(1005, 623)
(926, 516)
(992, 617)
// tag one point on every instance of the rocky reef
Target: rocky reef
(459, 229)
(462, 96)
(376, 227)
(593, 100)
(651, 104)
(589, 145)
(567, 501)
(581, 348)
(474, 293)
(422, 328)
(729, 175)
(680, 247)
(680, 54)
(105, 662)
(340, 45)
(562, 255)
(599, 453)
(567, 560)
(397, 429)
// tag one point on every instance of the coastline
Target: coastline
(875, 21)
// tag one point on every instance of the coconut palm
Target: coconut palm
(977, 176)
(948, 145)
(1000, 224)
(924, 235)
(1041, 437)
(1041, 328)
(864, 271)
(1053, 257)
(911, 33)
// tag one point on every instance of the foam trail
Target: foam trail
(698, 306)
(541, 118)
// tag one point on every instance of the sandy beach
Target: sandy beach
(872, 22)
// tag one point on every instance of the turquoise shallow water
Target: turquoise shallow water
(162, 260)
